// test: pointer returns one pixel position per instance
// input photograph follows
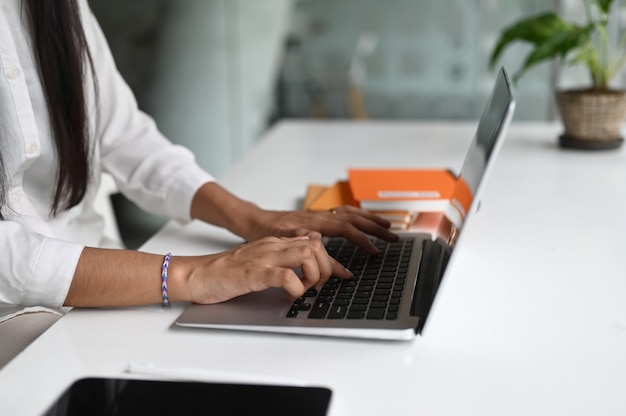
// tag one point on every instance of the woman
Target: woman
(66, 115)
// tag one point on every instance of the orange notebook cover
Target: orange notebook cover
(334, 196)
(313, 191)
(400, 189)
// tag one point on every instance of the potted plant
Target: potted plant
(592, 116)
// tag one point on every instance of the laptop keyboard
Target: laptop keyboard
(374, 291)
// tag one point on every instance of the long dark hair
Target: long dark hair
(63, 58)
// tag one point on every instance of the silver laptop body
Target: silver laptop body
(272, 311)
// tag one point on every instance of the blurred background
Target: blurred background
(216, 74)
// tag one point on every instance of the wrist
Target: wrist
(178, 279)
(214, 205)
(248, 221)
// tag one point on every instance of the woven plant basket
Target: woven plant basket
(592, 119)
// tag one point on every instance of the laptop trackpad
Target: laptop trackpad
(254, 308)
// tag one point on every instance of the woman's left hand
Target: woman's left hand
(215, 205)
(349, 222)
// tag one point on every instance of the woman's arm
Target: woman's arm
(106, 277)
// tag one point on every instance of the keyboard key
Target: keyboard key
(355, 315)
(319, 310)
(375, 314)
(337, 311)
(365, 291)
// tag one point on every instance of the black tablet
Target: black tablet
(122, 397)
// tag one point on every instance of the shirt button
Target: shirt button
(32, 148)
(13, 73)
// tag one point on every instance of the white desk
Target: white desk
(531, 321)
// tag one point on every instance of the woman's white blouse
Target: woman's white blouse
(39, 253)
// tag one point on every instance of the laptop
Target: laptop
(390, 296)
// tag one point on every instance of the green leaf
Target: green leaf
(535, 30)
(559, 45)
(604, 5)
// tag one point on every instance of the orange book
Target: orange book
(411, 190)
(400, 220)
(313, 191)
(334, 196)
(462, 197)
(402, 189)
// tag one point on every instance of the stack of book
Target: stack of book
(411, 199)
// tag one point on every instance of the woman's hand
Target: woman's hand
(252, 267)
(349, 222)
(215, 205)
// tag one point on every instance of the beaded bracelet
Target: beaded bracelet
(166, 264)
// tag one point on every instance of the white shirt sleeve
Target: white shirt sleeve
(41, 267)
(157, 175)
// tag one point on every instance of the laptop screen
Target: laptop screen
(496, 115)
(492, 125)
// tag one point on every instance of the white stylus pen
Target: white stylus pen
(203, 374)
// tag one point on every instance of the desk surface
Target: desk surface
(531, 319)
